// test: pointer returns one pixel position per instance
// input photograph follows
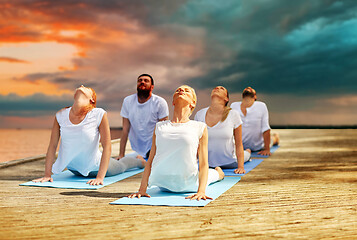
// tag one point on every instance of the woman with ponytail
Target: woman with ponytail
(80, 128)
(225, 148)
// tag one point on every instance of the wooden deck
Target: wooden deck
(306, 190)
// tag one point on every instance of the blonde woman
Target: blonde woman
(80, 128)
(172, 164)
(225, 148)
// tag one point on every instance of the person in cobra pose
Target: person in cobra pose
(81, 127)
(256, 129)
(140, 112)
(225, 148)
(172, 164)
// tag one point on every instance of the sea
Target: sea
(23, 143)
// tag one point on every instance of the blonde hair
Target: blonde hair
(193, 94)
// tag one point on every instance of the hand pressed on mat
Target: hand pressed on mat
(198, 196)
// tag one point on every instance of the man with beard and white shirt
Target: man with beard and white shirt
(141, 112)
(255, 128)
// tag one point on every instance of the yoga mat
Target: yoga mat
(248, 166)
(256, 155)
(160, 198)
(67, 179)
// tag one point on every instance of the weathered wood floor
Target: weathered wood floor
(306, 190)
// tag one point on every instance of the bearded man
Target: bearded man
(255, 128)
(141, 112)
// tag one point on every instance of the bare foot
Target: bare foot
(276, 139)
(248, 150)
(143, 162)
(220, 172)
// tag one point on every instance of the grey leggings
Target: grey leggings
(116, 166)
(235, 164)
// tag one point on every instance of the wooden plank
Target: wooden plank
(306, 190)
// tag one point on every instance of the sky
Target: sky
(300, 56)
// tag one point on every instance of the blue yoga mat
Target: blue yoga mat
(248, 166)
(160, 198)
(256, 155)
(67, 179)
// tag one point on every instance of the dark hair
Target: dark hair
(226, 109)
(249, 92)
(147, 75)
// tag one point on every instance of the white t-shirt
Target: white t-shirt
(255, 123)
(221, 145)
(79, 148)
(174, 166)
(143, 117)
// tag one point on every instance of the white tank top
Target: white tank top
(79, 147)
(221, 144)
(175, 165)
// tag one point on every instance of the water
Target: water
(23, 143)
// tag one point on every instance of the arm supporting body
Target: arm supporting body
(237, 132)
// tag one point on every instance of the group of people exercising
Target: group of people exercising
(218, 137)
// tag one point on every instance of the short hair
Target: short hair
(249, 92)
(147, 75)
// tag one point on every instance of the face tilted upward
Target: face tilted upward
(187, 94)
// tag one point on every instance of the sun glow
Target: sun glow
(42, 57)
(70, 33)
(25, 88)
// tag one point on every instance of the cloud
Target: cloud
(12, 60)
(116, 40)
(344, 101)
(274, 46)
(295, 47)
(293, 51)
(311, 110)
(34, 105)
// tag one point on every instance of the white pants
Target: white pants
(213, 177)
(235, 164)
(117, 166)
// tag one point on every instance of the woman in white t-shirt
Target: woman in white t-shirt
(80, 128)
(172, 164)
(225, 148)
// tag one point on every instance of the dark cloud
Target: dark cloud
(62, 79)
(33, 77)
(274, 46)
(34, 105)
(297, 54)
(295, 47)
(317, 73)
(86, 11)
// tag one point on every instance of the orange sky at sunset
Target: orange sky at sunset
(286, 50)
(33, 57)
